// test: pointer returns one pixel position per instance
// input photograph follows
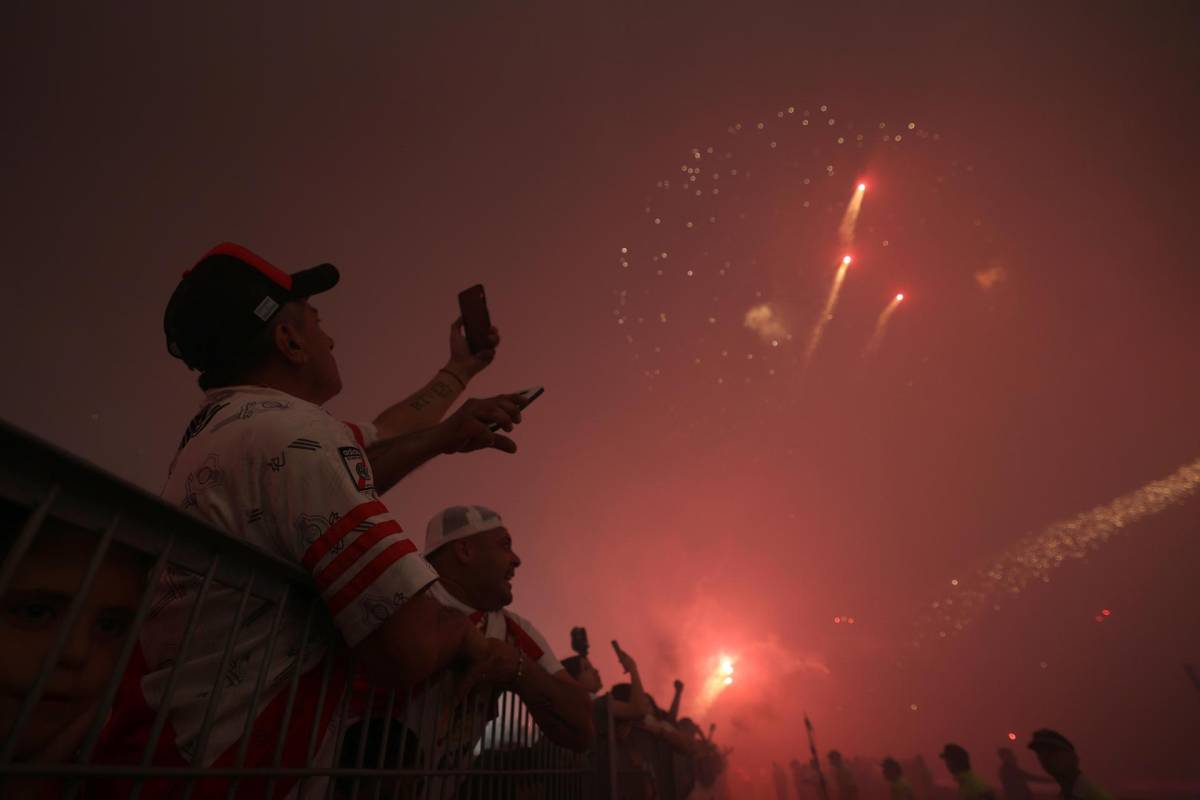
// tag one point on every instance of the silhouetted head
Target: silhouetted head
(957, 759)
(1056, 754)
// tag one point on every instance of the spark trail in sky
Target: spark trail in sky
(881, 325)
(850, 217)
(827, 310)
(1034, 557)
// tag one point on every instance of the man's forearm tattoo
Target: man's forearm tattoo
(436, 389)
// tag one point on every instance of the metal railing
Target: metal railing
(88, 711)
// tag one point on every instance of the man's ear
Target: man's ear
(462, 550)
(290, 343)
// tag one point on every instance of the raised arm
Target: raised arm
(674, 712)
(428, 405)
(465, 430)
(639, 704)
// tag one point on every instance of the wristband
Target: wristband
(461, 382)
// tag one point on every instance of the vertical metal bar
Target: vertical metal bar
(263, 668)
(382, 761)
(214, 698)
(428, 698)
(131, 641)
(612, 748)
(60, 642)
(340, 730)
(25, 538)
(326, 671)
(365, 727)
(277, 756)
(418, 759)
(160, 718)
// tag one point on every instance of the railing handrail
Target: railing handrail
(32, 467)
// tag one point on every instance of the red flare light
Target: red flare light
(862, 187)
(846, 259)
(899, 297)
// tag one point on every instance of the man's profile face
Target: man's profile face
(31, 612)
(492, 566)
(321, 367)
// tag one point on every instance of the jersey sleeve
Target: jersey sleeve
(365, 434)
(331, 522)
(547, 660)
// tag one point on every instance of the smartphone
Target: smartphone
(579, 642)
(523, 400)
(477, 323)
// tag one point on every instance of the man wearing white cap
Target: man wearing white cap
(473, 554)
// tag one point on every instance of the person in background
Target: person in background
(920, 778)
(584, 672)
(847, 788)
(1057, 756)
(970, 785)
(898, 788)
(781, 781)
(1013, 780)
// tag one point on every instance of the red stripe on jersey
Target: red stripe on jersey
(523, 639)
(354, 551)
(367, 575)
(338, 530)
(127, 732)
(358, 434)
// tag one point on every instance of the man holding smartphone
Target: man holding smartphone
(264, 461)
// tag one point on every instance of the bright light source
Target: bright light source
(728, 680)
(899, 298)
(846, 259)
(862, 187)
(726, 665)
(1012, 737)
(1106, 613)
(837, 620)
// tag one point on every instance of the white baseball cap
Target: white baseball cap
(459, 522)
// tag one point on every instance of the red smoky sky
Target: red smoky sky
(684, 486)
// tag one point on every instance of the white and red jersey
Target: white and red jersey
(282, 474)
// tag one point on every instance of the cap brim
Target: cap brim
(314, 280)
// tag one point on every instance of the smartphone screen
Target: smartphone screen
(477, 323)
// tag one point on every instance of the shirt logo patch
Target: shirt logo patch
(356, 467)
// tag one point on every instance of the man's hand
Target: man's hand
(469, 428)
(463, 363)
(627, 662)
(491, 662)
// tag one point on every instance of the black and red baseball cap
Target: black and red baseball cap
(229, 296)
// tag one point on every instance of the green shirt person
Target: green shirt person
(970, 785)
(1057, 756)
